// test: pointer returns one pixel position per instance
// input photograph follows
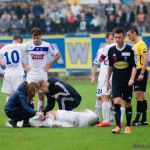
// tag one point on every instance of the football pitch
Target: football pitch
(89, 138)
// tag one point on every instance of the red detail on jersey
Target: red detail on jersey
(102, 57)
(1, 45)
(37, 56)
(106, 62)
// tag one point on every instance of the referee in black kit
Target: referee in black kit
(122, 63)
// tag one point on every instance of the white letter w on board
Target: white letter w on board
(78, 51)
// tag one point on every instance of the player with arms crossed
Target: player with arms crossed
(141, 76)
(37, 52)
(103, 95)
(122, 63)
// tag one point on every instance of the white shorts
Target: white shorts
(102, 90)
(36, 78)
(11, 83)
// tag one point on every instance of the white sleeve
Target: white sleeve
(24, 47)
(1, 53)
(96, 60)
(53, 49)
(105, 51)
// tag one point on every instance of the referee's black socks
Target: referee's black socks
(139, 107)
(144, 111)
(129, 115)
(117, 114)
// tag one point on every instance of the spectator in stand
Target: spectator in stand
(127, 18)
(16, 9)
(141, 23)
(37, 9)
(110, 9)
(71, 23)
(30, 22)
(100, 9)
(95, 23)
(66, 13)
(111, 23)
(3, 8)
(42, 23)
(25, 9)
(142, 7)
(49, 24)
(56, 17)
(119, 12)
(76, 9)
(89, 17)
(15, 25)
(23, 21)
(82, 23)
(4, 24)
(6, 13)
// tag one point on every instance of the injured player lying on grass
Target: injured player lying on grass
(63, 118)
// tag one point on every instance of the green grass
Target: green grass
(89, 138)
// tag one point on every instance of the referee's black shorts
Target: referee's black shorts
(123, 91)
(140, 85)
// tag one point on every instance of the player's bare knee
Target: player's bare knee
(41, 96)
(139, 96)
(117, 100)
(105, 98)
(99, 98)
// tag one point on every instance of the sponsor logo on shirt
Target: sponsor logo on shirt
(125, 54)
(121, 65)
(37, 56)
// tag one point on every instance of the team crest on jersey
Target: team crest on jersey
(125, 58)
(114, 58)
(37, 56)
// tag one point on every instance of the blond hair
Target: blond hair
(41, 83)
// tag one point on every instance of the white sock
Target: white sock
(122, 113)
(105, 111)
(40, 105)
(7, 97)
(98, 107)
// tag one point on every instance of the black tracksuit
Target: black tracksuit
(68, 98)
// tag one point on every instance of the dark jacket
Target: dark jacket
(142, 6)
(123, 20)
(64, 89)
(19, 100)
